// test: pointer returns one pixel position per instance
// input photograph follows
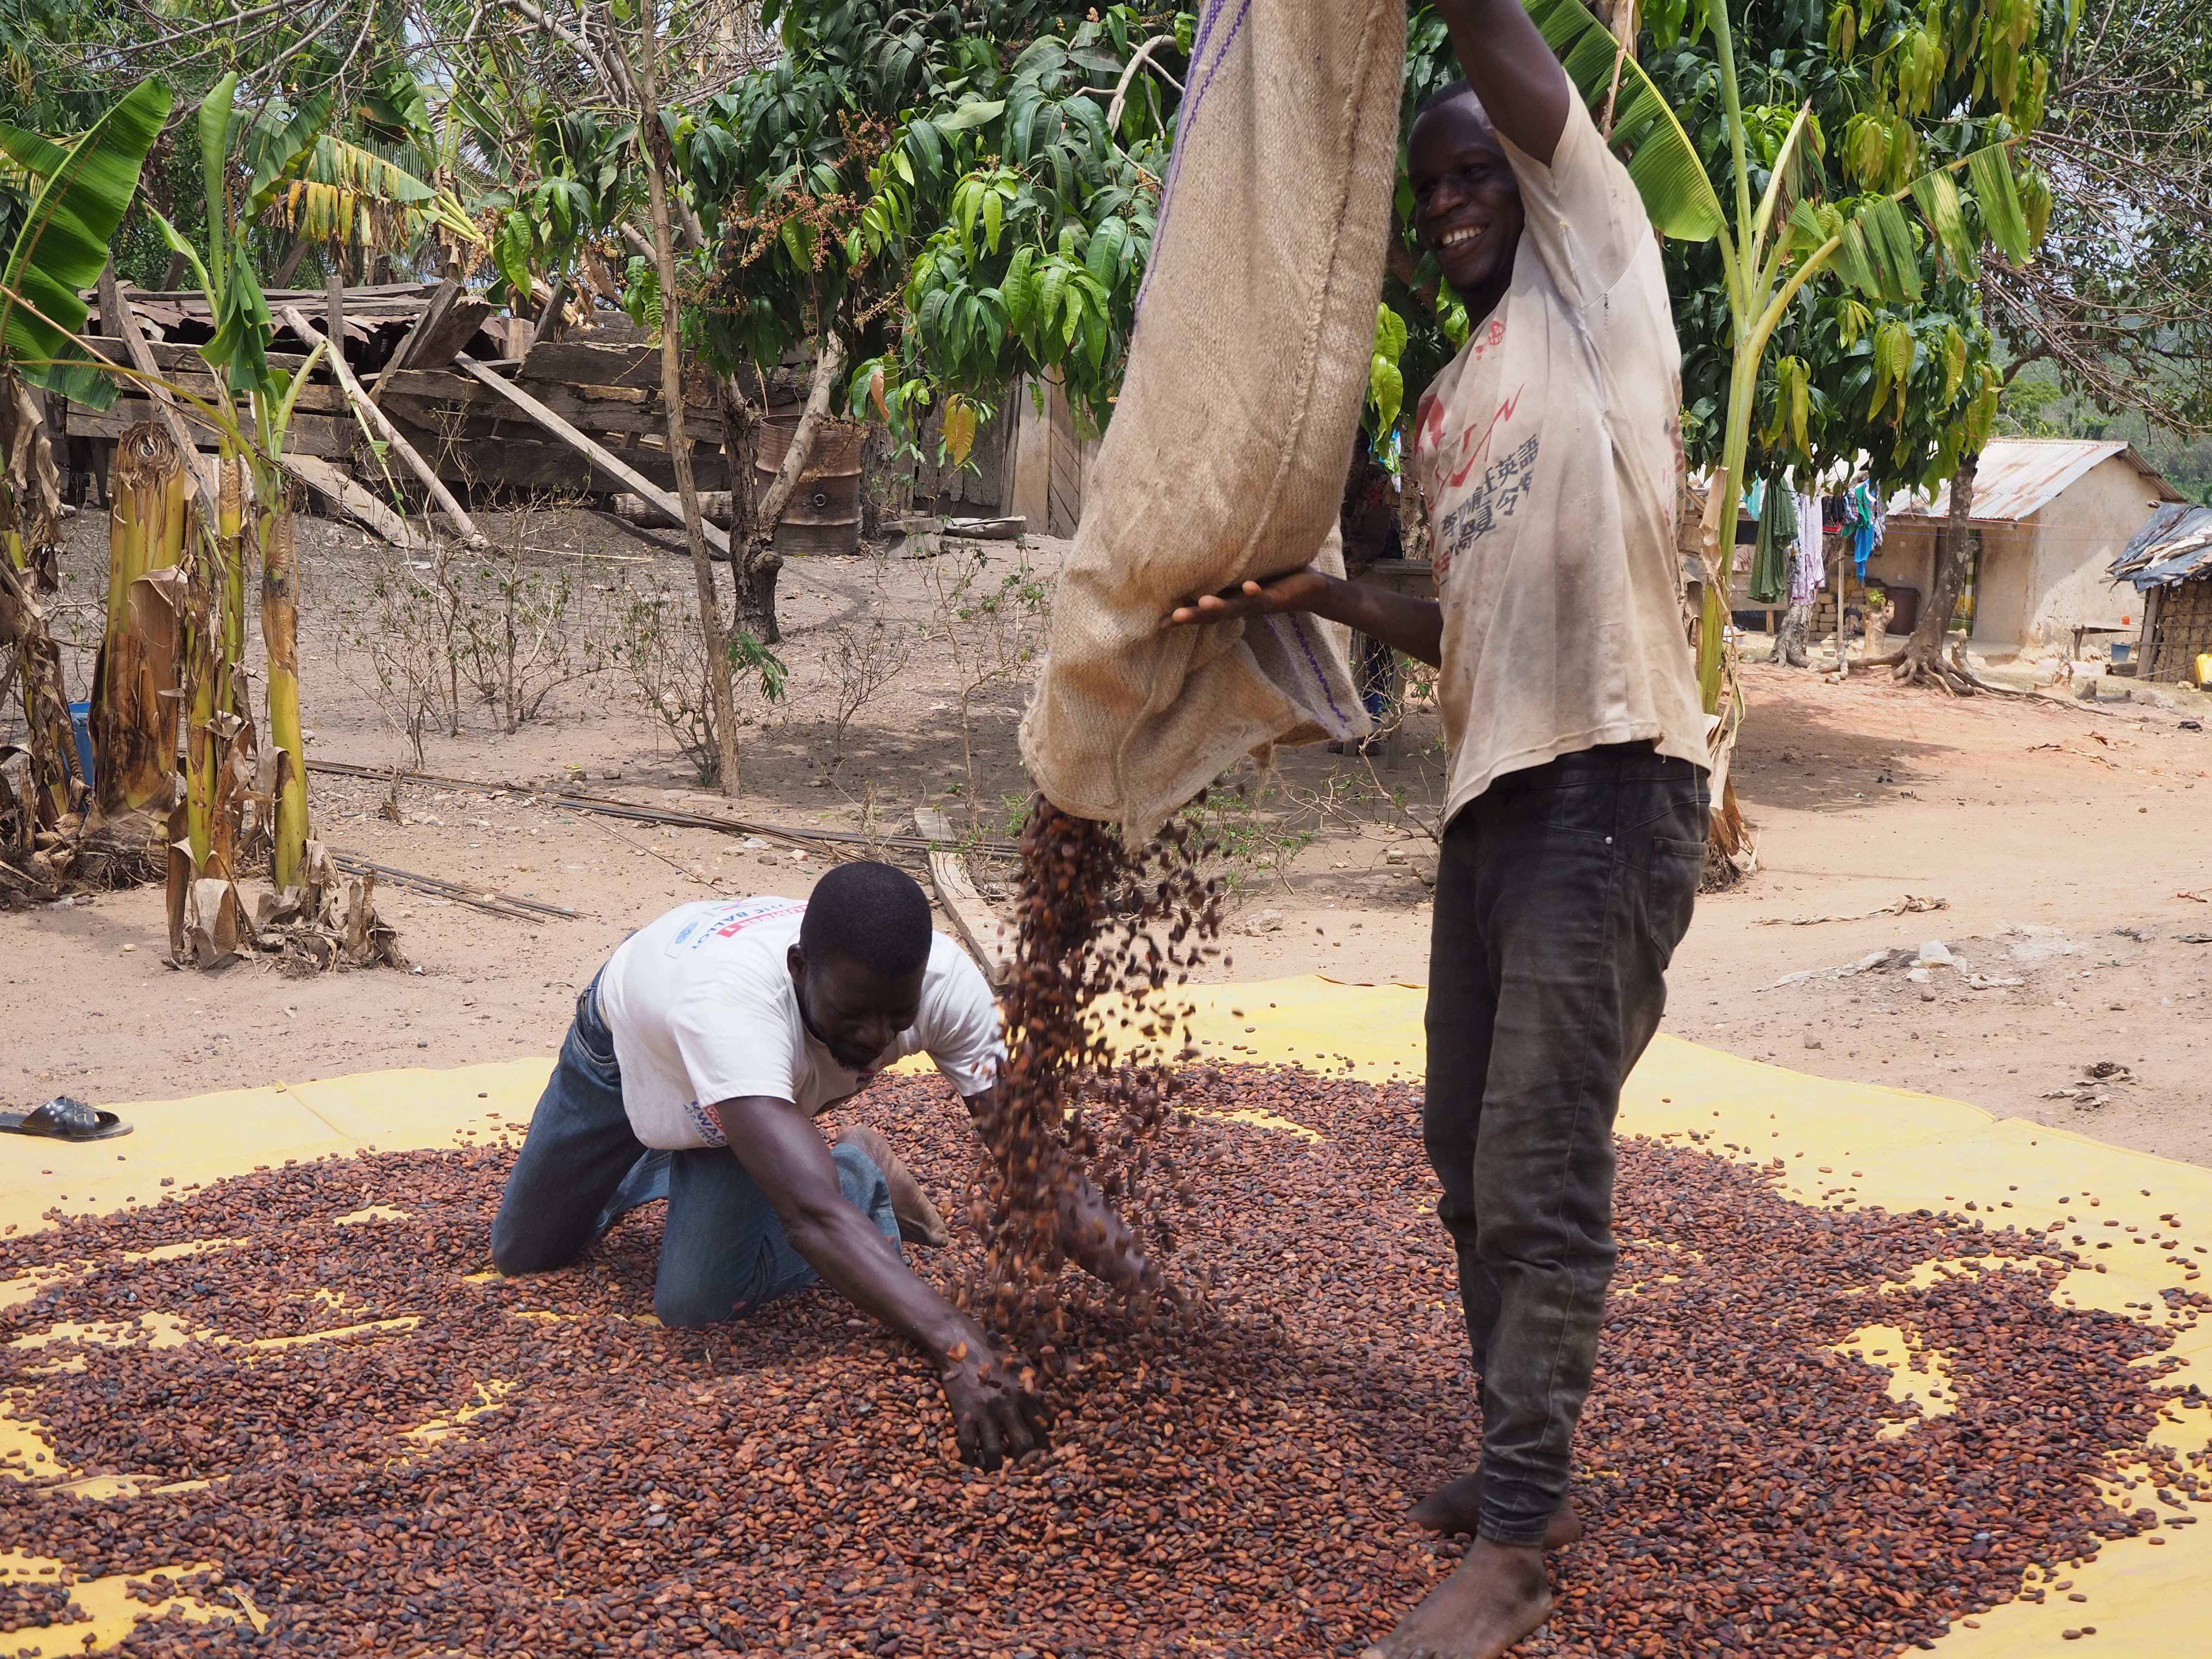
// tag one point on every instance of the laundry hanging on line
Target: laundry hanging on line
(1778, 531)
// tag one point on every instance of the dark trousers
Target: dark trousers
(724, 1253)
(1561, 894)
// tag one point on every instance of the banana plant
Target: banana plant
(1775, 242)
(84, 186)
(273, 151)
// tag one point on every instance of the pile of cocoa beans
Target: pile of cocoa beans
(1227, 1474)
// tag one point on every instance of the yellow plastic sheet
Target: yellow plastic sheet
(1837, 1142)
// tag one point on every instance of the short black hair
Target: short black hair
(870, 914)
(1444, 94)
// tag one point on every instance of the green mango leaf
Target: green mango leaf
(971, 115)
(63, 243)
(1019, 290)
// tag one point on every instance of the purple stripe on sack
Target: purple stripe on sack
(1186, 116)
(1298, 629)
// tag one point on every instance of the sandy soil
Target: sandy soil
(2062, 838)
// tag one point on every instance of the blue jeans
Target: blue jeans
(1561, 894)
(724, 1252)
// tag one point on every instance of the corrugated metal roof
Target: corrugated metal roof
(2020, 477)
(2173, 546)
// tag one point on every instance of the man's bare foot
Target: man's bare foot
(1498, 1595)
(1456, 1506)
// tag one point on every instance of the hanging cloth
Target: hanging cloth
(1871, 526)
(1777, 529)
(1808, 574)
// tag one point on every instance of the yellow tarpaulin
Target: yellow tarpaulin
(1837, 1142)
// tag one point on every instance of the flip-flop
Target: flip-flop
(64, 1118)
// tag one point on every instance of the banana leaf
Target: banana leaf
(1669, 176)
(63, 245)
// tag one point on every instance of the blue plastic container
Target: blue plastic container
(80, 723)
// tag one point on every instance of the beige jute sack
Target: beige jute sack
(1227, 452)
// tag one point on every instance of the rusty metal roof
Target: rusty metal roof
(2173, 546)
(2020, 477)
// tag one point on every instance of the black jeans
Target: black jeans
(1561, 894)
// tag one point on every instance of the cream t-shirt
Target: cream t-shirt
(1549, 450)
(702, 1009)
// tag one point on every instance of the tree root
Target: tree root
(1954, 676)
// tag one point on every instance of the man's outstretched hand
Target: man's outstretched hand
(1299, 590)
(997, 1413)
(1414, 626)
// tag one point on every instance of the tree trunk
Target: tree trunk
(29, 532)
(134, 709)
(280, 633)
(659, 167)
(761, 561)
(1790, 644)
(1921, 658)
(755, 608)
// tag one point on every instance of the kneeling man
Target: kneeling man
(698, 1056)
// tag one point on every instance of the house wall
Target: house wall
(2040, 577)
(2077, 537)
(1906, 557)
(2005, 586)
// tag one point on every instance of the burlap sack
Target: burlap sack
(1227, 452)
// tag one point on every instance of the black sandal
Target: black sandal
(64, 1118)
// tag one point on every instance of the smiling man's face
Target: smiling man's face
(1466, 203)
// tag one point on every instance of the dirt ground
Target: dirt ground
(2064, 841)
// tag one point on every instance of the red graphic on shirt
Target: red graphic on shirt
(1473, 451)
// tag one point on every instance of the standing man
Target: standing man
(698, 1057)
(1576, 808)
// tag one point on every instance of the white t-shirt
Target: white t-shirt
(702, 1009)
(1550, 450)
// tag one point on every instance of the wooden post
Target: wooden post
(115, 319)
(377, 418)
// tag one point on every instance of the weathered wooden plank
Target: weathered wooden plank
(310, 434)
(586, 362)
(446, 325)
(431, 400)
(434, 385)
(169, 357)
(354, 501)
(314, 399)
(382, 423)
(985, 933)
(538, 464)
(618, 424)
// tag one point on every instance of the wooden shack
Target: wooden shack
(495, 412)
(2169, 561)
